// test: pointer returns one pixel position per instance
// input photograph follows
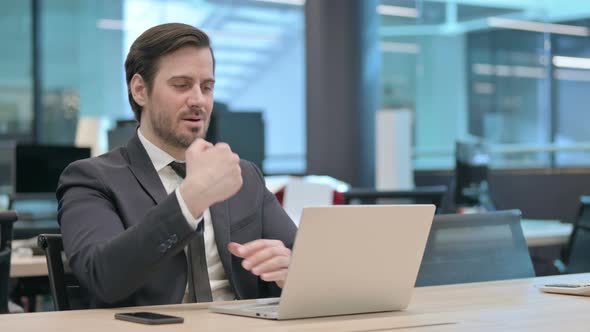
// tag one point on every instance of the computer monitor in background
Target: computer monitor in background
(121, 134)
(243, 131)
(38, 168)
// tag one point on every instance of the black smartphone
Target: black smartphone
(150, 318)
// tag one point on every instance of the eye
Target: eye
(181, 86)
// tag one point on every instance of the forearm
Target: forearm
(276, 224)
(113, 264)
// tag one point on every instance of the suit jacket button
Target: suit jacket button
(163, 248)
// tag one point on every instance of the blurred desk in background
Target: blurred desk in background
(35, 266)
(419, 195)
(546, 240)
(538, 233)
(30, 284)
(542, 233)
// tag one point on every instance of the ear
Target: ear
(138, 90)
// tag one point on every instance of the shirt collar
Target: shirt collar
(159, 157)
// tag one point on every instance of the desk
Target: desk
(35, 266)
(424, 195)
(539, 233)
(510, 305)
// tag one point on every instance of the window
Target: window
(513, 73)
(16, 83)
(259, 50)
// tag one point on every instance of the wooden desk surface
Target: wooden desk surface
(512, 305)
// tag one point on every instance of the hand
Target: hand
(213, 174)
(268, 259)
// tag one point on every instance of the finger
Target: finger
(235, 158)
(263, 255)
(256, 245)
(270, 265)
(234, 248)
(222, 146)
(279, 275)
(232, 168)
(238, 176)
(202, 144)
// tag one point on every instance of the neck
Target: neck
(177, 153)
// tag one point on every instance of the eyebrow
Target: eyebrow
(184, 77)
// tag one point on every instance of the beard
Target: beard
(164, 127)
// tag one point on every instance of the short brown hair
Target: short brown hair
(146, 51)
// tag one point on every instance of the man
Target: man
(131, 217)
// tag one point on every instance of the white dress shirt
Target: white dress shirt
(220, 288)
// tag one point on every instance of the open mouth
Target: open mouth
(193, 122)
(193, 118)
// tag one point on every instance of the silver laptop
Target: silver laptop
(349, 259)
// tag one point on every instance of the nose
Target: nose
(196, 97)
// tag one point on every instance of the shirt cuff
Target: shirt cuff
(192, 221)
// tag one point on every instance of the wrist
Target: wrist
(194, 199)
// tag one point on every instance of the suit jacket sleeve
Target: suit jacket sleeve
(276, 224)
(107, 258)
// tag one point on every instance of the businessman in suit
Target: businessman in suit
(170, 217)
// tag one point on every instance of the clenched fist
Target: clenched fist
(213, 174)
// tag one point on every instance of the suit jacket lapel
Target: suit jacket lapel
(141, 166)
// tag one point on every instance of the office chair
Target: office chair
(7, 218)
(65, 288)
(471, 176)
(419, 195)
(465, 248)
(576, 256)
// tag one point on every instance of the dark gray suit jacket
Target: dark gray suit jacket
(124, 236)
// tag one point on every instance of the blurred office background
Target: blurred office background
(477, 103)
(513, 74)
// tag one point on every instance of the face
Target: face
(178, 109)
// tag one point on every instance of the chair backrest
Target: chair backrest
(475, 247)
(299, 194)
(576, 258)
(419, 195)
(7, 218)
(65, 288)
